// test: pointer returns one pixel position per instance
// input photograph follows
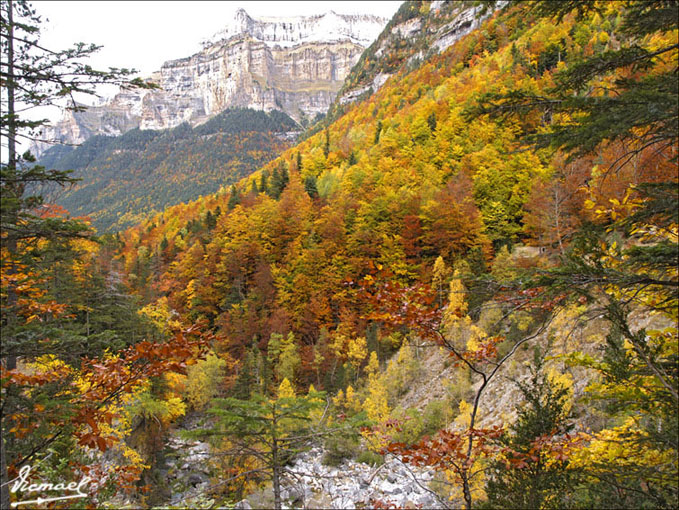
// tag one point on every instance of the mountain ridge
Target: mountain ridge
(300, 78)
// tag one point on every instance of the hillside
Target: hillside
(402, 178)
(127, 178)
(460, 292)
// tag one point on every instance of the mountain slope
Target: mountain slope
(418, 30)
(401, 178)
(127, 178)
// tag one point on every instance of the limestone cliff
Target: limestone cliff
(416, 32)
(295, 64)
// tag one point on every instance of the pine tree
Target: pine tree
(531, 477)
(267, 431)
(310, 186)
(32, 76)
(234, 198)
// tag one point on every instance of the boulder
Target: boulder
(197, 478)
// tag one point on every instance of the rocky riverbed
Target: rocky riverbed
(306, 483)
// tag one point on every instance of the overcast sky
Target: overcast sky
(143, 35)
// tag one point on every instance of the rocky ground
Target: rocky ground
(307, 483)
(311, 484)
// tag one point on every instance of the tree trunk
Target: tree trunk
(276, 477)
(10, 360)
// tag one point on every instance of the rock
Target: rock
(242, 505)
(294, 64)
(391, 478)
(197, 478)
(296, 494)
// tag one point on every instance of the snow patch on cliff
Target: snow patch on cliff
(291, 31)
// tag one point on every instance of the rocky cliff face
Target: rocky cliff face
(292, 64)
(414, 34)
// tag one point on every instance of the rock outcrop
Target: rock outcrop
(295, 64)
(410, 36)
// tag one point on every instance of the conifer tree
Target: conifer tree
(269, 431)
(33, 76)
(530, 477)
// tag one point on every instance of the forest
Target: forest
(167, 167)
(472, 272)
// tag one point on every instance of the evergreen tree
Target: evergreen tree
(310, 186)
(210, 221)
(234, 198)
(531, 477)
(264, 182)
(32, 76)
(378, 132)
(267, 431)
(326, 145)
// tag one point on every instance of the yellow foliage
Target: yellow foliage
(464, 419)
(357, 351)
(175, 409)
(621, 446)
(373, 367)
(565, 381)
(203, 380)
(457, 304)
(375, 404)
(285, 390)
(176, 383)
(160, 315)
(352, 401)
(338, 400)
(317, 413)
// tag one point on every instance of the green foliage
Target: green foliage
(532, 478)
(369, 457)
(167, 166)
(340, 447)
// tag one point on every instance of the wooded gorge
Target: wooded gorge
(472, 271)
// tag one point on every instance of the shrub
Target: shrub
(370, 458)
(338, 448)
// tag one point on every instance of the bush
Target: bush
(338, 448)
(437, 415)
(370, 458)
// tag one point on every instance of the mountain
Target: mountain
(294, 64)
(418, 31)
(126, 178)
(360, 29)
(477, 262)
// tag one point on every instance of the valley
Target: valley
(425, 262)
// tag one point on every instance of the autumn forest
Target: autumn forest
(471, 272)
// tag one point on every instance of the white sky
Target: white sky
(143, 34)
